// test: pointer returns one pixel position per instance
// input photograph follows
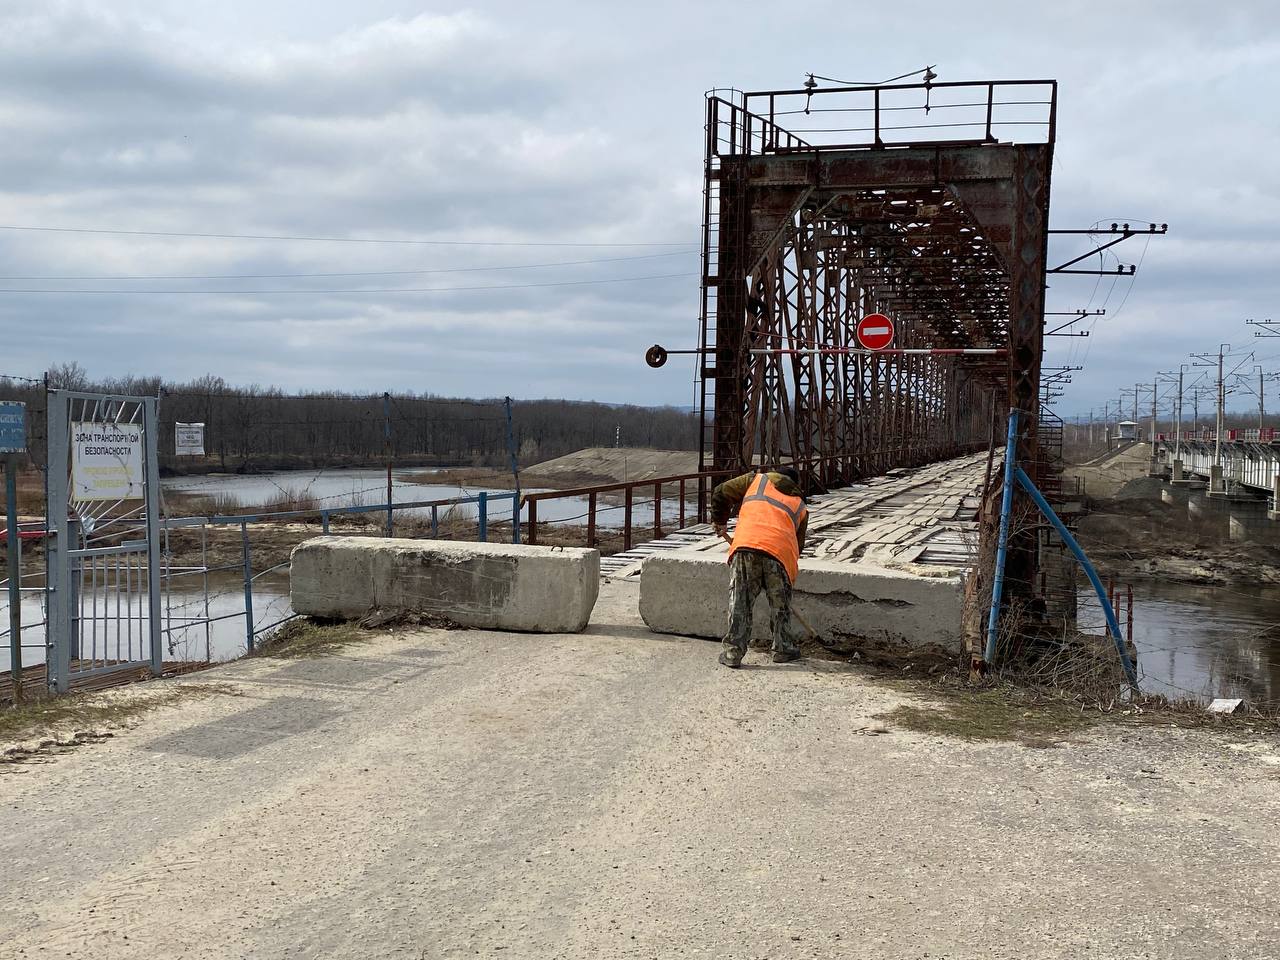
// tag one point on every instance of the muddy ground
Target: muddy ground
(1130, 533)
(1140, 537)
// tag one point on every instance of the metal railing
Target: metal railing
(324, 516)
(195, 612)
(701, 484)
(851, 117)
(1230, 435)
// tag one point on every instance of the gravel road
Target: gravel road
(617, 794)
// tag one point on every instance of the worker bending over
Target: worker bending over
(763, 555)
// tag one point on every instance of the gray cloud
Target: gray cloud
(561, 121)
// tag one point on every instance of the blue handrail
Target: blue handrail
(1025, 482)
(1014, 473)
(1002, 544)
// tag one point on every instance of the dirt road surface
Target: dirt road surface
(617, 794)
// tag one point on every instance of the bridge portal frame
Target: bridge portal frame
(808, 229)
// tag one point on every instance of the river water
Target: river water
(362, 487)
(187, 634)
(1202, 641)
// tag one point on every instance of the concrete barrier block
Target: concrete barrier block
(687, 593)
(490, 586)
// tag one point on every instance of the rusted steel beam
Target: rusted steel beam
(946, 237)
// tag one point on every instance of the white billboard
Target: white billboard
(106, 461)
(188, 439)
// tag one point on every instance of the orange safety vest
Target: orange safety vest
(769, 521)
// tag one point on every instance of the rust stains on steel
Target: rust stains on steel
(928, 202)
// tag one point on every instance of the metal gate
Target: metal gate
(104, 579)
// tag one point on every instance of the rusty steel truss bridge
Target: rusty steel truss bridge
(927, 202)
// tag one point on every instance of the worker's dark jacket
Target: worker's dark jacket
(727, 498)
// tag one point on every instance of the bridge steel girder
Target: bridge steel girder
(803, 236)
(792, 223)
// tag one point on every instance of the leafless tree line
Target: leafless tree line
(258, 427)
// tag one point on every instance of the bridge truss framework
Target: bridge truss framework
(822, 205)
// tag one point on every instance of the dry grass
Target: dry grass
(306, 638)
(996, 714)
(82, 716)
(1004, 707)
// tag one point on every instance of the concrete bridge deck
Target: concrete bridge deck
(617, 794)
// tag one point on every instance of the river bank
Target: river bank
(1143, 538)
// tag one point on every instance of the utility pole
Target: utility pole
(1198, 390)
(1177, 430)
(1152, 439)
(515, 472)
(386, 429)
(1177, 407)
(1209, 360)
(1222, 402)
(1262, 404)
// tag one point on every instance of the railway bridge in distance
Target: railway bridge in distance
(1234, 480)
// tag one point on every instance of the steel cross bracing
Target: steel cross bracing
(808, 230)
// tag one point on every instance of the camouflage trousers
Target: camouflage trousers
(750, 572)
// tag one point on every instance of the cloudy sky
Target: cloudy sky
(551, 153)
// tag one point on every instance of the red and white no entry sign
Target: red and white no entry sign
(875, 331)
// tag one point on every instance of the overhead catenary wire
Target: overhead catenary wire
(357, 273)
(324, 397)
(872, 83)
(324, 291)
(410, 241)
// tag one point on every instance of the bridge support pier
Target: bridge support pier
(1205, 507)
(1215, 480)
(1249, 520)
(1274, 512)
(1176, 470)
(1175, 494)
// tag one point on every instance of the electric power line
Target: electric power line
(362, 273)
(323, 291)
(390, 240)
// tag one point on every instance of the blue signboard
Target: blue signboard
(13, 427)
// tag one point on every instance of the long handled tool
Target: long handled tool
(813, 634)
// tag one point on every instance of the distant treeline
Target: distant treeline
(266, 428)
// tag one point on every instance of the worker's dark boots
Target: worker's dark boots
(786, 656)
(731, 660)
